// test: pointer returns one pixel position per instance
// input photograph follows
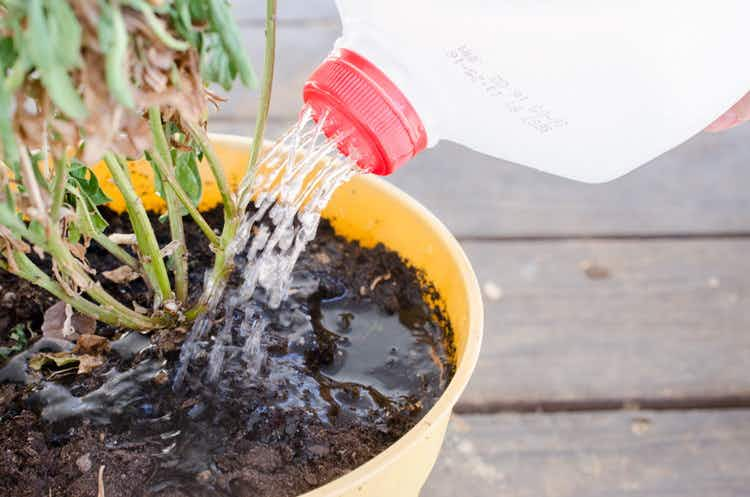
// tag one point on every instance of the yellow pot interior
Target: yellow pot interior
(370, 210)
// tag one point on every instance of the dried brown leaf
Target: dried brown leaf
(91, 345)
(61, 322)
(169, 248)
(139, 308)
(123, 238)
(88, 363)
(122, 274)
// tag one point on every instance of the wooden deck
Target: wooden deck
(617, 356)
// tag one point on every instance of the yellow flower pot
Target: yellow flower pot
(371, 210)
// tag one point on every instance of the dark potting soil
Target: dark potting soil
(350, 362)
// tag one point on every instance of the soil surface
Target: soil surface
(350, 362)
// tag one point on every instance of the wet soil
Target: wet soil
(349, 363)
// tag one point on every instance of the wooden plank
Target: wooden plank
(659, 320)
(612, 454)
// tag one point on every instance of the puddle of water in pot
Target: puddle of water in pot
(277, 350)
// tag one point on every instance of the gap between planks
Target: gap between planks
(598, 405)
(728, 235)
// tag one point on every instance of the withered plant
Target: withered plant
(85, 81)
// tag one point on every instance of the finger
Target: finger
(737, 114)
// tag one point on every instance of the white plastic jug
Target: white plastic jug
(585, 89)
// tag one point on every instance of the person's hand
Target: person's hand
(737, 114)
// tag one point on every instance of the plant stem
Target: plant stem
(265, 93)
(230, 208)
(111, 310)
(182, 196)
(153, 266)
(73, 268)
(176, 228)
(31, 272)
(32, 185)
(86, 226)
(221, 262)
(58, 192)
(117, 252)
(179, 256)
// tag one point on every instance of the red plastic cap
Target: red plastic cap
(373, 121)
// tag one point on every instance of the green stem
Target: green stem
(86, 226)
(179, 256)
(31, 272)
(72, 267)
(221, 262)
(113, 310)
(163, 163)
(117, 252)
(176, 228)
(58, 191)
(184, 199)
(230, 208)
(265, 94)
(153, 265)
(31, 184)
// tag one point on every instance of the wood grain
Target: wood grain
(665, 320)
(612, 454)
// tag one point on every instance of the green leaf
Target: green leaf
(8, 54)
(157, 25)
(56, 359)
(223, 23)
(89, 220)
(18, 335)
(17, 73)
(74, 234)
(36, 229)
(42, 53)
(159, 186)
(187, 174)
(158, 180)
(65, 33)
(60, 88)
(7, 137)
(88, 183)
(199, 10)
(215, 65)
(36, 159)
(100, 224)
(9, 218)
(113, 39)
(183, 21)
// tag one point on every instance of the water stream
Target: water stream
(295, 181)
